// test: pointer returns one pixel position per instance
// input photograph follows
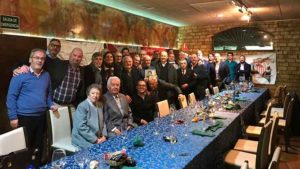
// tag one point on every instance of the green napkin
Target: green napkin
(202, 133)
(138, 142)
(126, 167)
(241, 99)
(216, 126)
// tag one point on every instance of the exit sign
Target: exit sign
(9, 22)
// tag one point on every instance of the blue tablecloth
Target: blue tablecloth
(190, 151)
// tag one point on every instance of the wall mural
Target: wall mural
(81, 19)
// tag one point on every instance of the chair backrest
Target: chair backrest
(283, 93)
(274, 164)
(163, 108)
(192, 98)
(12, 141)
(207, 93)
(263, 146)
(182, 101)
(268, 113)
(286, 102)
(289, 114)
(60, 124)
(216, 89)
(273, 135)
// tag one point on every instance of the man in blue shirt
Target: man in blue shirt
(231, 65)
(29, 98)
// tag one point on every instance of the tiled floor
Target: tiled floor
(291, 159)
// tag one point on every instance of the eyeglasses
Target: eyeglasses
(39, 58)
(55, 45)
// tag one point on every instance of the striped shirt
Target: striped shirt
(65, 93)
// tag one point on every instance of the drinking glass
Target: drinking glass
(57, 160)
(156, 120)
(124, 138)
(81, 159)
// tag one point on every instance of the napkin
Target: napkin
(241, 99)
(216, 126)
(138, 142)
(202, 133)
(126, 167)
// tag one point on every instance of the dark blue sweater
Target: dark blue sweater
(29, 95)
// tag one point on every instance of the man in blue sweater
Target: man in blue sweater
(28, 99)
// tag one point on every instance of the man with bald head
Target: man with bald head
(67, 79)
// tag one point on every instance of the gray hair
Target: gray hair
(110, 79)
(33, 51)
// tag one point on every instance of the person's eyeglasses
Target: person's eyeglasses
(54, 45)
(39, 58)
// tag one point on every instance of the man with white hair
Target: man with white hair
(117, 113)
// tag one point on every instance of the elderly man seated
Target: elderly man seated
(117, 112)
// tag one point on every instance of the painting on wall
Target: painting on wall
(263, 68)
(85, 20)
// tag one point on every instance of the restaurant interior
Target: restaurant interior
(195, 133)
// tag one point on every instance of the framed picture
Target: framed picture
(150, 72)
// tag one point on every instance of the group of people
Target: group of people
(112, 93)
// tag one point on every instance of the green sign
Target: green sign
(9, 22)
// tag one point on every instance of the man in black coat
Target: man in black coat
(243, 70)
(186, 78)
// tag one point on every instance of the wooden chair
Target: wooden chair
(182, 101)
(192, 98)
(274, 164)
(255, 131)
(216, 89)
(163, 108)
(61, 130)
(281, 111)
(258, 160)
(251, 145)
(286, 124)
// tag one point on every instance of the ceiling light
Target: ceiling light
(220, 15)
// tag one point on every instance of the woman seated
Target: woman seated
(88, 121)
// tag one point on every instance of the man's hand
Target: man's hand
(184, 86)
(54, 107)
(20, 70)
(117, 132)
(14, 123)
(128, 98)
(101, 140)
(144, 122)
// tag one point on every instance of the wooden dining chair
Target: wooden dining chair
(192, 98)
(216, 89)
(182, 101)
(281, 111)
(61, 129)
(258, 160)
(254, 131)
(286, 124)
(163, 108)
(251, 146)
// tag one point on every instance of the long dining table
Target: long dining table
(190, 151)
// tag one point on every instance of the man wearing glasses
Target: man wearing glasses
(29, 98)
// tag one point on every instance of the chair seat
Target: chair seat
(236, 158)
(253, 130)
(281, 122)
(246, 145)
(278, 110)
(65, 144)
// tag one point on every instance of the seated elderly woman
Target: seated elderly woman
(88, 121)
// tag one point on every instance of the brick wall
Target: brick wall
(286, 45)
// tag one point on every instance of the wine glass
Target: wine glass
(156, 120)
(57, 156)
(81, 159)
(124, 137)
